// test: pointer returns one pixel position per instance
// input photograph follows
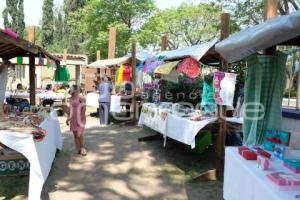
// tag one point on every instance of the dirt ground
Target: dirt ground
(119, 167)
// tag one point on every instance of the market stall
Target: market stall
(40, 154)
(266, 167)
(35, 133)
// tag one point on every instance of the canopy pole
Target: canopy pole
(164, 45)
(133, 65)
(270, 10)
(32, 79)
(225, 29)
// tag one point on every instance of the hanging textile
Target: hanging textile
(41, 60)
(127, 73)
(20, 60)
(263, 96)
(208, 101)
(62, 74)
(120, 74)
(172, 76)
(151, 65)
(166, 68)
(190, 67)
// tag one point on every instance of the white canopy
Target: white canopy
(251, 40)
(196, 51)
(109, 62)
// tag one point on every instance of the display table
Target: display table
(39, 154)
(181, 129)
(243, 180)
(42, 95)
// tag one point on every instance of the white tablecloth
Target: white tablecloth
(42, 95)
(39, 154)
(92, 99)
(178, 128)
(243, 180)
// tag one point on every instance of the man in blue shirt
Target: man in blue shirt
(105, 88)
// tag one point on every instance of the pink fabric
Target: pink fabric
(77, 121)
(11, 33)
(190, 67)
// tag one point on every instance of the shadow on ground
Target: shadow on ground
(119, 167)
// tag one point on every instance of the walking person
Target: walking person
(77, 119)
(105, 88)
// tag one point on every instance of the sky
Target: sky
(33, 8)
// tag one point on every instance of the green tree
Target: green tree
(185, 26)
(98, 16)
(47, 23)
(251, 12)
(15, 11)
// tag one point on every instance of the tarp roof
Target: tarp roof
(275, 31)
(196, 51)
(109, 62)
(12, 47)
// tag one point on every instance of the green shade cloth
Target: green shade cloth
(20, 60)
(166, 68)
(62, 74)
(263, 96)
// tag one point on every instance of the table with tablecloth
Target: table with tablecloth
(181, 129)
(42, 95)
(40, 154)
(244, 180)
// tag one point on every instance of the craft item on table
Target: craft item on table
(224, 87)
(163, 115)
(190, 67)
(279, 150)
(273, 137)
(247, 153)
(263, 163)
(285, 181)
(38, 135)
(291, 153)
(11, 33)
(293, 165)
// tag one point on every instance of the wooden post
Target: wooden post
(225, 20)
(32, 78)
(112, 42)
(31, 38)
(133, 65)
(65, 56)
(77, 75)
(270, 10)
(164, 44)
(98, 55)
(31, 34)
(271, 7)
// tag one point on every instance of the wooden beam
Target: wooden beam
(133, 65)
(112, 42)
(32, 79)
(23, 44)
(225, 30)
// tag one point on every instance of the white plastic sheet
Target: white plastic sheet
(251, 40)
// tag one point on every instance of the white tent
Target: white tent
(109, 62)
(251, 40)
